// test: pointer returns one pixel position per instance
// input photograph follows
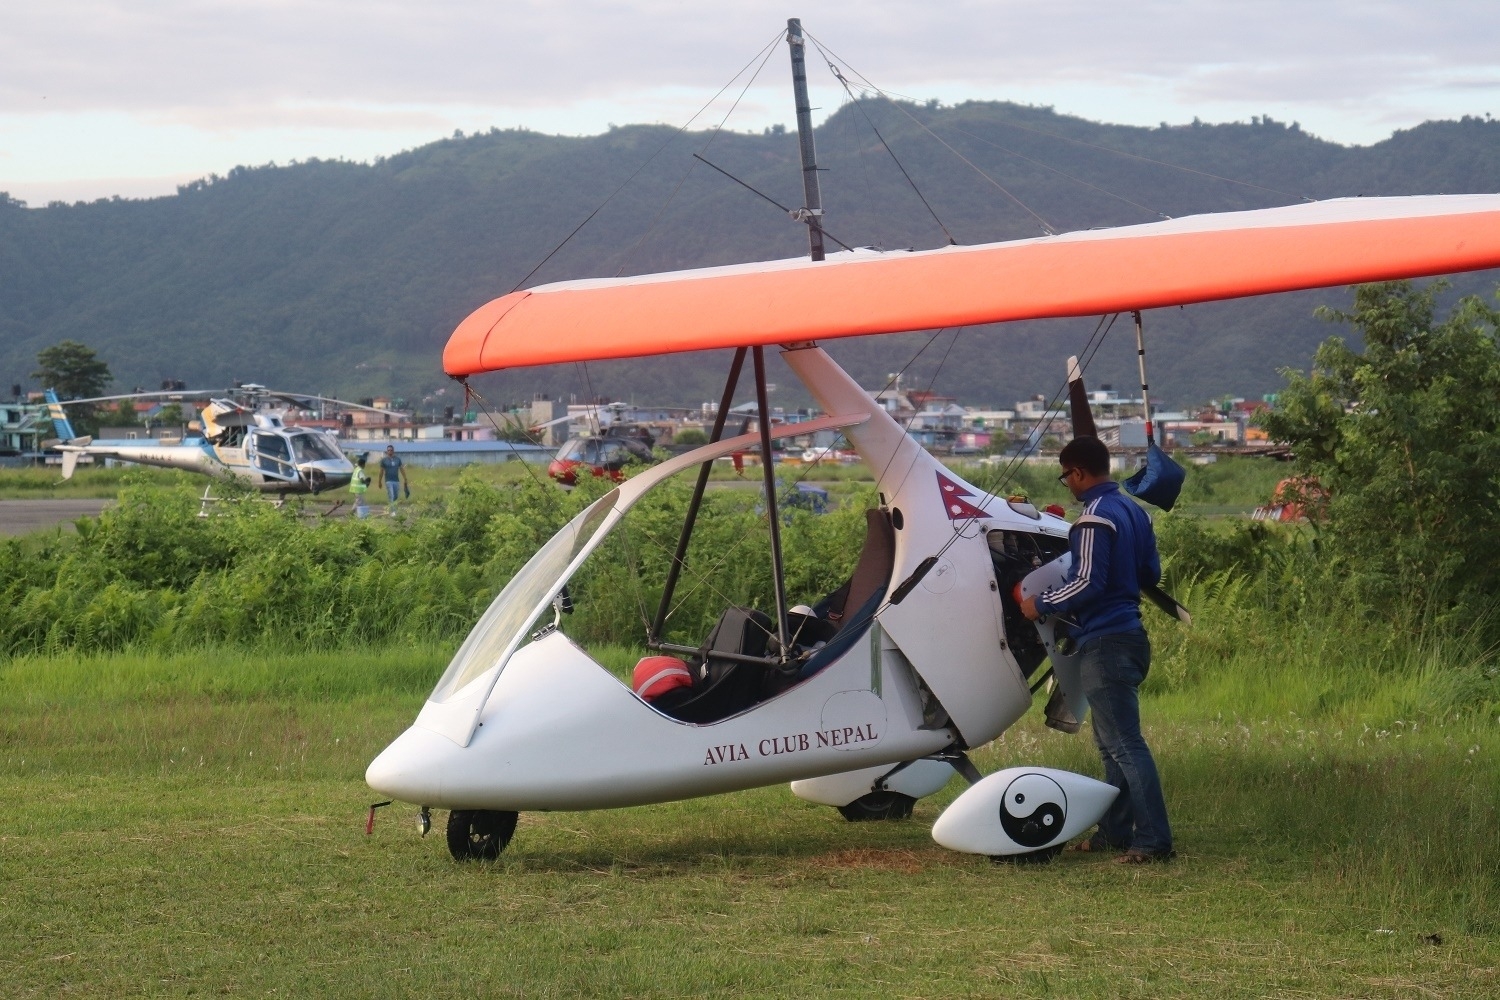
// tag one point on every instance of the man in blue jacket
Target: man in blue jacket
(1114, 555)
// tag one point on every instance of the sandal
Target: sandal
(1136, 856)
(1092, 845)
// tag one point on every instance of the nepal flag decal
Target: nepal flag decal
(957, 500)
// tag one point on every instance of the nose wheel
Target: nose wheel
(479, 834)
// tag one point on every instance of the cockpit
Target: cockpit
(608, 561)
(311, 447)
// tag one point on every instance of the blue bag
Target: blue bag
(1159, 481)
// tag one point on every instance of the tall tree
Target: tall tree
(73, 369)
(1404, 436)
(76, 372)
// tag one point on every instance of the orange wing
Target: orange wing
(1194, 259)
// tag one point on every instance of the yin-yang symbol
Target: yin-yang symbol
(1033, 810)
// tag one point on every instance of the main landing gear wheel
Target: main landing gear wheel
(878, 805)
(479, 834)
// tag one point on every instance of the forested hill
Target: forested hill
(347, 278)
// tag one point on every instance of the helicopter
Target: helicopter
(246, 440)
(870, 697)
(607, 447)
(605, 454)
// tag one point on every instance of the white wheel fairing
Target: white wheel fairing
(918, 779)
(1022, 809)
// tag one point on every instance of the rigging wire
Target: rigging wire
(1085, 357)
(647, 162)
(1064, 173)
(1090, 349)
(895, 380)
(769, 50)
(1160, 163)
(862, 162)
(1043, 223)
(890, 94)
(767, 197)
(705, 579)
(860, 107)
(471, 392)
(931, 384)
(635, 580)
(635, 577)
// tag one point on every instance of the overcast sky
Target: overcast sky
(103, 97)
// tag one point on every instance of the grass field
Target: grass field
(194, 825)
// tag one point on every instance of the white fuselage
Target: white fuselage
(225, 461)
(544, 726)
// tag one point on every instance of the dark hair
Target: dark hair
(1086, 453)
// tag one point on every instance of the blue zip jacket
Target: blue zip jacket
(1114, 555)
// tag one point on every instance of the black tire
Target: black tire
(1041, 857)
(479, 834)
(878, 805)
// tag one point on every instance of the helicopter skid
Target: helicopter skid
(559, 732)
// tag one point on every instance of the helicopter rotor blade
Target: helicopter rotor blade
(302, 398)
(172, 394)
(301, 402)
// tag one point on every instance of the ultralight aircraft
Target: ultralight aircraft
(869, 697)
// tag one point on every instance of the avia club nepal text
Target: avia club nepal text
(776, 746)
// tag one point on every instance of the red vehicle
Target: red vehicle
(604, 456)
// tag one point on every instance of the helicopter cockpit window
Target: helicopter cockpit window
(513, 609)
(272, 455)
(313, 448)
(612, 454)
(573, 451)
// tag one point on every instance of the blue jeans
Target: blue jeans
(392, 491)
(1112, 668)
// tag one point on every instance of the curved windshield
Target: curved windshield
(313, 448)
(514, 609)
(579, 450)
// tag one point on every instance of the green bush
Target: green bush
(151, 574)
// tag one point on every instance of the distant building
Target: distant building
(934, 420)
(23, 428)
(465, 432)
(386, 425)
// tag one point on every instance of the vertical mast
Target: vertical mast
(812, 198)
(768, 473)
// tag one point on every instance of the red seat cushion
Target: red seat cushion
(656, 675)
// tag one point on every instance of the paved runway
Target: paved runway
(18, 517)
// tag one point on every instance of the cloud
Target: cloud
(307, 116)
(166, 86)
(127, 56)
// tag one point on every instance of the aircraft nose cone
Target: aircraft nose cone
(411, 768)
